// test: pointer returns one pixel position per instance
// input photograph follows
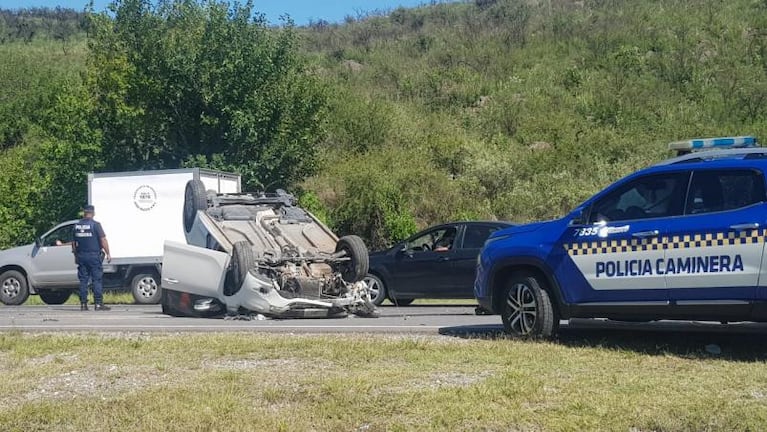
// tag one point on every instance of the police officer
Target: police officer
(89, 241)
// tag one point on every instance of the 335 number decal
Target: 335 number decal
(588, 231)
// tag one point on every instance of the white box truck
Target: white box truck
(139, 210)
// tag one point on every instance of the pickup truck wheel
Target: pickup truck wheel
(195, 198)
(357, 267)
(376, 288)
(13, 288)
(242, 261)
(52, 297)
(146, 289)
(527, 311)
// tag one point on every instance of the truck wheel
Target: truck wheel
(146, 289)
(242, 261)
(55, 297)
(13, 288)
(195, 198)
(357, 267)
(376, 288)
(527, 311)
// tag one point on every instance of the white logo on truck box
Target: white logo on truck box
(145, 198)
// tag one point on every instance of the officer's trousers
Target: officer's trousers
(89, 268)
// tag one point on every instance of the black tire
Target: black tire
(13, 288)
(401, 301)
(145, 288)
(357, 267)
(195, 199)
(376, 288)
(55, 297)
(527, 311)
(242, 261)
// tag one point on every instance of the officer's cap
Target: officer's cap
(89, 209)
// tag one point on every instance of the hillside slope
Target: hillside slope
(491, 109)
(518, 110)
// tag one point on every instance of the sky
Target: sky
(300, 10)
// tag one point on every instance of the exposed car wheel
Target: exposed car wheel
(55, 297)
(146, 289)
(357, 267)
(195, 198)
(376, 288)
(527, 311)
(242, 261)
(13, 288)
(402, 301)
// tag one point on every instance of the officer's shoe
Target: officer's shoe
(83, 306)
(101, 307)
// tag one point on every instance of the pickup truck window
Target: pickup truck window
(63, 234)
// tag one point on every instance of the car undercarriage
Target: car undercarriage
(276, 259)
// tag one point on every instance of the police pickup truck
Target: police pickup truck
(683, 239)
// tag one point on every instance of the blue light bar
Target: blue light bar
(711, 143)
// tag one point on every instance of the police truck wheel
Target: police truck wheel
(376, 288)
(195, 199)
(527, 311)
(356, 268)
(146, 289)
(52, 297)
(13, 288)
(242, 260)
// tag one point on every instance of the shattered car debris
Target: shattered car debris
(260, 253)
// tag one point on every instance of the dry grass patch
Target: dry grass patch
(182, 382)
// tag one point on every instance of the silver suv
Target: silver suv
(260, 253)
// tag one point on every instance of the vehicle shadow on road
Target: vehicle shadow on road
(718, 342)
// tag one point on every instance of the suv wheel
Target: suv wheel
(527, 311)
(242, 261)
(13, 288)
(195, 198)
(357, 267)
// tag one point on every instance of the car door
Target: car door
(421, 271)
(464, 266)
(715, 250)
(193, 269)
(53, 263)
(619, 251)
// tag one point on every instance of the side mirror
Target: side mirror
(579, 218)
(38, 242)
(402, 248)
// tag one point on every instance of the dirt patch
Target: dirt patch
(101, 382)
(249, 364)
(442, 380)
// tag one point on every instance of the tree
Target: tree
(189, 83)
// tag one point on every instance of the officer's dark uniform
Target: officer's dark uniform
(87, 236)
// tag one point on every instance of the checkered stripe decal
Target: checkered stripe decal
(667, 242)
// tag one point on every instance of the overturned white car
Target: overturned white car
(260, 253)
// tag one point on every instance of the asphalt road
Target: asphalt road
(454, 320)
(411, 319)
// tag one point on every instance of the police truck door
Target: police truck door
(620, 250)
(715, 250)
